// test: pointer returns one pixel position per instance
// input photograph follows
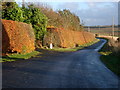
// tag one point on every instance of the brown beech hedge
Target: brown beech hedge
(67, 38)
(17, 37)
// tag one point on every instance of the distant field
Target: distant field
(104, 31)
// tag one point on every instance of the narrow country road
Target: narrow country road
(80, 69)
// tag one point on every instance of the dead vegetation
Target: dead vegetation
(17, 37)
(67, 38)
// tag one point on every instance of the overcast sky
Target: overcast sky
(91, 13)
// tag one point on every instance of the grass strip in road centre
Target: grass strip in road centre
(110, 59)
(76, 48)
(14, 57)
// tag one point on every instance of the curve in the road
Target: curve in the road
(80, 69)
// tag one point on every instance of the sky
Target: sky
(91, 13)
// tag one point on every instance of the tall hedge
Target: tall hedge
(29, 14)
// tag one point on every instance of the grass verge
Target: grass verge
(110, 58)
(14, 57)
(112, 62)
(76, 48)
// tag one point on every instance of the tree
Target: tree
(11, 11)
(71, 21)
(38, 21)
(27, 14)
(64, 18)
(54, 19)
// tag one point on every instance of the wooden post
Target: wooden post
(88, 29)
(113, 28)
(23, 3)
(99, 32)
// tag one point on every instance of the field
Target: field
(111, 50)
(103, 30)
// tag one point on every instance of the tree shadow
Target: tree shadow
(7, 57)
(10, 59)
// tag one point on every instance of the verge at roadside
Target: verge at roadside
(110, 57)
(14, 57)
(75, 48)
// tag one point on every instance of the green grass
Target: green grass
(66, 49)
(76, 48)
(110, 59)
(14, 57)
(112, 62)
(105, 48)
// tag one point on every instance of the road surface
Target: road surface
(80, 69)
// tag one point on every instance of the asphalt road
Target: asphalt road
(80, 69)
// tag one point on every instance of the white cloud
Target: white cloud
(91, 4)
(99, 14)
(96, 13)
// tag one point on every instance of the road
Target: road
(80, 69)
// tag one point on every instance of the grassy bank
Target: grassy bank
(14, 57)
(110, 58)
(76, 48)
(112, 62)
